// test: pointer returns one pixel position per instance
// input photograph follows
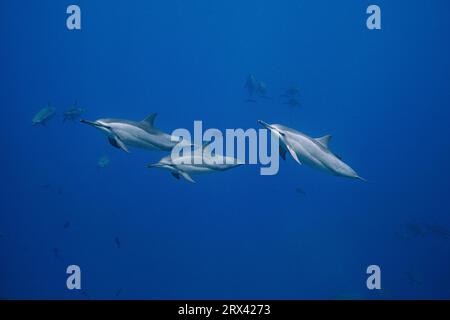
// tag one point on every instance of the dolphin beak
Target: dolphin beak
(265, 125)
(91, 123)
(155, 165)
(94, 124)
(271, 128)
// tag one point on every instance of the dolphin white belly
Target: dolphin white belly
(194, 169)
(135, 136)
(193, 164)
(186, 165)
(312, 153)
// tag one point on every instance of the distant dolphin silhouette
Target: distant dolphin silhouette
(313, 152)
(73, 113)
(251, 84)
(44, 115)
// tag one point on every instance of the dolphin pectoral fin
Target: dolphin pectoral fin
(186, 176)
(176, 175)
(282, 152)
(117, 143)
(293, 154)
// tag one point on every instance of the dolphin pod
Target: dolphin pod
(313, 152)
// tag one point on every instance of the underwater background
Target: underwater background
(138, 233)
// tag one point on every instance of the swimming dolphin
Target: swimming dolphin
(141, 134)
(251, 84)
(44, 115)
(313, 152)
(262, 90)
(117, 242)
(186, 165)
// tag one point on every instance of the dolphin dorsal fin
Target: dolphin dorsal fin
(324, 141)
(150, 120)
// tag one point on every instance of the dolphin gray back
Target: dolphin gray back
(147, 124)
(313, 140)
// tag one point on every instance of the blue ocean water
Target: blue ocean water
(383, 95)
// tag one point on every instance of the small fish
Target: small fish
(117, 241)
(118, 292)
(300, 191)
(67, 225)
(103, 162)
